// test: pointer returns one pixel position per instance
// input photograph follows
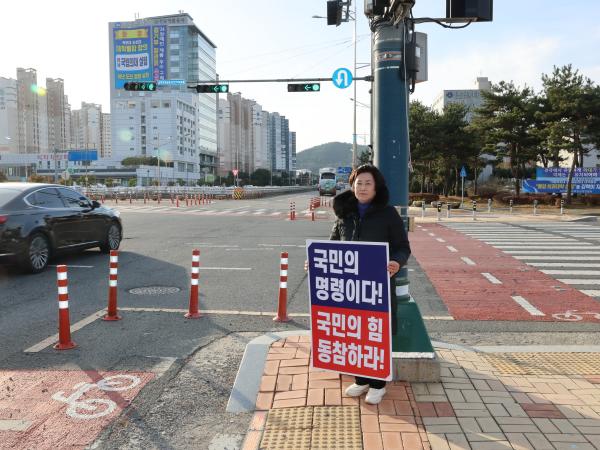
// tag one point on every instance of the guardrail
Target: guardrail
(217, 192)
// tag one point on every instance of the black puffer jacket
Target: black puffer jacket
(381, 223)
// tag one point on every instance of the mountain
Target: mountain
(332, 154)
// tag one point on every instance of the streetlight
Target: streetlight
(157, 137)
(353, 81)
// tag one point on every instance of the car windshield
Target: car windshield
(6, 195)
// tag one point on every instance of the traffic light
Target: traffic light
(140, 86)
(482, 10)
(212, 88)
(304, 87)
(334, 12)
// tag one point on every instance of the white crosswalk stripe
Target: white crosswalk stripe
(567, 252)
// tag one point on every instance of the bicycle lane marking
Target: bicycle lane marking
(63, 408)
(469, 296)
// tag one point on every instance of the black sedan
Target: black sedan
(38, 221)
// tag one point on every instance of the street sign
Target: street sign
(344, 170)
(170, 82)
(349, 294)
(463, 172)
(235, 172)
(342, 78)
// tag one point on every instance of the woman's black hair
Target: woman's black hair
(381, 191)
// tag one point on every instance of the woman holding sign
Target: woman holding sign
(363, 214)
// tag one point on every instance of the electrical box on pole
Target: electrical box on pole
(479, 10)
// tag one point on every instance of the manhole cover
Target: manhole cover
(154, 290)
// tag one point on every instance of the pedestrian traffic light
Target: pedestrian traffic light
(304, 87)
(334, 12)
(212, 88)
(140, 86)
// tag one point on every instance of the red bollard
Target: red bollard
(291, 211)
(193, 311)
(172, 201)
(64, 323)
(112, 287)
(282, 305)
(177, 202)
(312, 216)
(130, 199)
(102, 199)
(159, 198)
(186, 200)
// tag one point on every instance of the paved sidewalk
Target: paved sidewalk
(485, 400)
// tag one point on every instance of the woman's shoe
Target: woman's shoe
(356, 390)
(374, 396)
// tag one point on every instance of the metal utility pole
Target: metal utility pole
(354, 85)
(390, 109)
(55, 167)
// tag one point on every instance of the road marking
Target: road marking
(578, 281)
(571, 272)
(215, 311)
(468, 260)
(206, 245)
(440, 240)
(591, 292)
(562, 264)
(555, 252)
(281, 245)
(225, 268)
(431, 234)
(71, 266)
(54, 338)
(492, 279)
(527, 306)
(583, 246)
(557, 258)
(452, 249)
(14, 424)
(247, 249)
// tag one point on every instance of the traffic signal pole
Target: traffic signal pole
(414, 358)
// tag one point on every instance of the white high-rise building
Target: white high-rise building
(174, 123)
(56, 114)
(9, 129)
(106, 146)
(86, 126)
(28, 111)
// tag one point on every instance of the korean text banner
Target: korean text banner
(349, 292)
(133, 58)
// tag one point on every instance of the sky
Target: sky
(265, 39)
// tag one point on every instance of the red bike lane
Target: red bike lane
(65, 408)
(524, 294)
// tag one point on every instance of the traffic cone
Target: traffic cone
(282, 304)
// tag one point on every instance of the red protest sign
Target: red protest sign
(349, 293)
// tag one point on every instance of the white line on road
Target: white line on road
(71, 266)
(556, 252)
(491, 278)
(571, 272)
(452, 249)
(468, 260)
(207, 245)
(557, 258)
(527, 306)
(578, 281)
(591, 292)
(431, 234)
(54, 338)
(440, 240)
(281, 245)
(562, 264)
(14, 424)
(583, 245)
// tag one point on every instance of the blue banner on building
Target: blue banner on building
(159, 52)
(349, 292)
(83, 155)
(132, 53)
(544, 173)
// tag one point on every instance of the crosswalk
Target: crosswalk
(213, 211)
(567, 252)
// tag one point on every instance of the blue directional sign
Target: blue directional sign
(463, 172)
(342, 78)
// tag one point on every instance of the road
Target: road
(185, 369)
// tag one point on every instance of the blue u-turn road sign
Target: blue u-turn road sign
(342, 78)
(463, 172)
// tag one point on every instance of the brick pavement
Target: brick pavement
(474, 406)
